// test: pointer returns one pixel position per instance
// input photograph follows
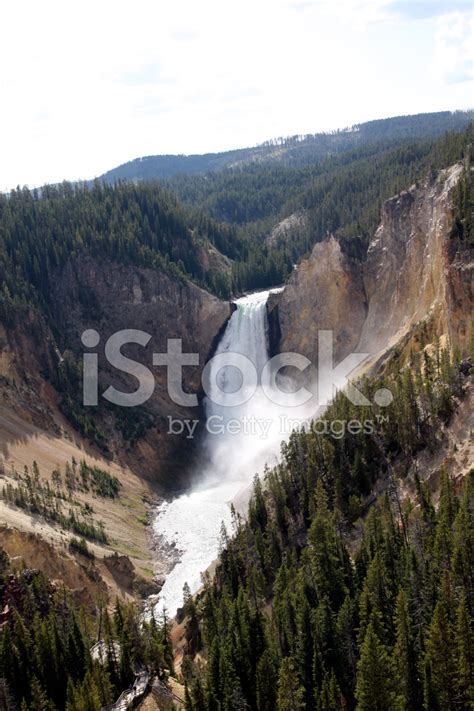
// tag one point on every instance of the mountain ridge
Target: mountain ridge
(290, 150)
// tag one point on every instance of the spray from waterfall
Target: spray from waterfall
(245, 438)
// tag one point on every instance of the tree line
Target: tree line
(42, 230)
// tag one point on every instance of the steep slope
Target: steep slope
(415, 273)
(41, 364)
(106, 259)
(164, 308)
(137, 449)
(110, 259)
(349, 584)
(408, 276)
(325, 292)
(281, 211)
(79, 260)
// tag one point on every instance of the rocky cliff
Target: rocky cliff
(414, 273)
(109, 297)
(326, 292)
(43, 420)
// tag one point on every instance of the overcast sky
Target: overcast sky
(85, 86)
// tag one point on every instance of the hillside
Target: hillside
(72, 259)
(109, 257)
(295, 150)
(349, 583)
(414, 283)
(333, 183)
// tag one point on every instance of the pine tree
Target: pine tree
(346, 644)
(266, 681)
(90, 694)
(7, 702)
(376, 598)
(405, 656)
(463, 543)
(214, 678)
(290, 692)
(330, 697)
(446, 516)
(441, 656)
(430, 697)
(198, 698)
(327, 567)
(376, 688)
(465, 654)
(70, 696)
(303, 654)
(39, 698)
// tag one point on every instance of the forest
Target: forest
(296, 150)
(167, 226)
(323, 598)
(41, 230)
(341, 195)
(46, 640)
(326, 600)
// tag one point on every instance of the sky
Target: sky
(86, 86)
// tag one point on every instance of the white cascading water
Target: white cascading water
(192, 522)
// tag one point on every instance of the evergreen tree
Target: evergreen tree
(290, 692)
(330, 697)
(267, 680)
(327, 566)
(405, 657)
(442, 658)
(376, 688)
(465, 655)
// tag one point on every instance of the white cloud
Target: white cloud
(86, 86)
(426, 9)
(454, 53)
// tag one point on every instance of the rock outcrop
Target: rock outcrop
(407, 274)
(110, 297)
(324, 292)
(413, 273)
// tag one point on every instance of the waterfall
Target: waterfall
(231, 454)
(192, 523)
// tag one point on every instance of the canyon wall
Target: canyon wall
(414, 272)
(109, 297)
(325, 292)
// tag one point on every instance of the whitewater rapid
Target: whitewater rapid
(191, 524)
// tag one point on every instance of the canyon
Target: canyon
(414, 288)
